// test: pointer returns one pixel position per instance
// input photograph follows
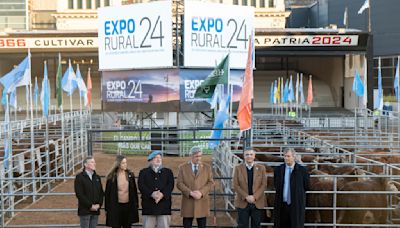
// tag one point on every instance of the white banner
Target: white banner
(214, 30)
(306, 40)
(135, 36)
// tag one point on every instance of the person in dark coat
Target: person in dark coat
(90, 194)
(121, 198)
(156, 184)
(291, 182)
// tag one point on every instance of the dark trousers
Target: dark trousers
(250, 211)
(285, 216)
(201, 222)
(123, 215)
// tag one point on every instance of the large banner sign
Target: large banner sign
(190, 79)
(141, 90)
(212, 30)
(131, 36)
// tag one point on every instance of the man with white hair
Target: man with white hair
(291, 182)
(195, 181)
(156, 184)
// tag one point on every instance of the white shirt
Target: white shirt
(249, 166)
(194, 166)
(89, 173)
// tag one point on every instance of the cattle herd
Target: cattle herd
(355, 186)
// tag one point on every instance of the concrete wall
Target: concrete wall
(328, 70)
(352, 63)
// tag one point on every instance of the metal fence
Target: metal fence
(59, 145)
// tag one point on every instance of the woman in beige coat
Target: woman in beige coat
(195, 181)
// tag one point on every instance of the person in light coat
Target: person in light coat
(195, 182)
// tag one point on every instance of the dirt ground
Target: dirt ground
(103, 164)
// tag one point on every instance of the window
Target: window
(88, 4)
(244, 2)
(253, 3)
(106, 2)
(262, 3)
(271, 3)
(80, 4)
(97, 4)
(235, 2)
(70, 4)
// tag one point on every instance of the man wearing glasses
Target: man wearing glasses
(249, 183)
(195, 181)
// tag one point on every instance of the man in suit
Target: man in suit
(291, 182)
(195, 181)
(249, 183)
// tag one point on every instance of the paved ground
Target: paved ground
(104, 163)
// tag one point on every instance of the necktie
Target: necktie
(196, 169)
(287, 185)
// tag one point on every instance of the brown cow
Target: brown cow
(366, 201)
(327, 184)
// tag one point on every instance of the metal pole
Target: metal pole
(369, 17)
(32, 154)
(71, 142)
(176, 33)
(47, 152)
(2, 202)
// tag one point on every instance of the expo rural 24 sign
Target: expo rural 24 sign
(135, 36)
(214, 30)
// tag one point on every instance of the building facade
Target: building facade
(14, 15)
(380, 18)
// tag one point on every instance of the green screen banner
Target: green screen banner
(127, 147)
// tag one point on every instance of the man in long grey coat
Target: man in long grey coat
(195, 181)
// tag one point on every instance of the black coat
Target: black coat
(150, 181)
(111, 201)
(88, 192)
(299, 184)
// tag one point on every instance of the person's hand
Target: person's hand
(195, 194)
(250, 199)
(199, 194)
(156, 196)
(95, 207)
(160, 195)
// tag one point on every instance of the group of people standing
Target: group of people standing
(195, 181)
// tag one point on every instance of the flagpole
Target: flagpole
(81, 121)
(347, 17)
(36, 106)
(9, 145)
(32, 153)
(369, 17)
(16, 104)
(90, 104)
(72, 120)
(297, 94)
(59, 92)
(27, 99)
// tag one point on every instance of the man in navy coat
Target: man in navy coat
(291, 182)
(156, 184)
